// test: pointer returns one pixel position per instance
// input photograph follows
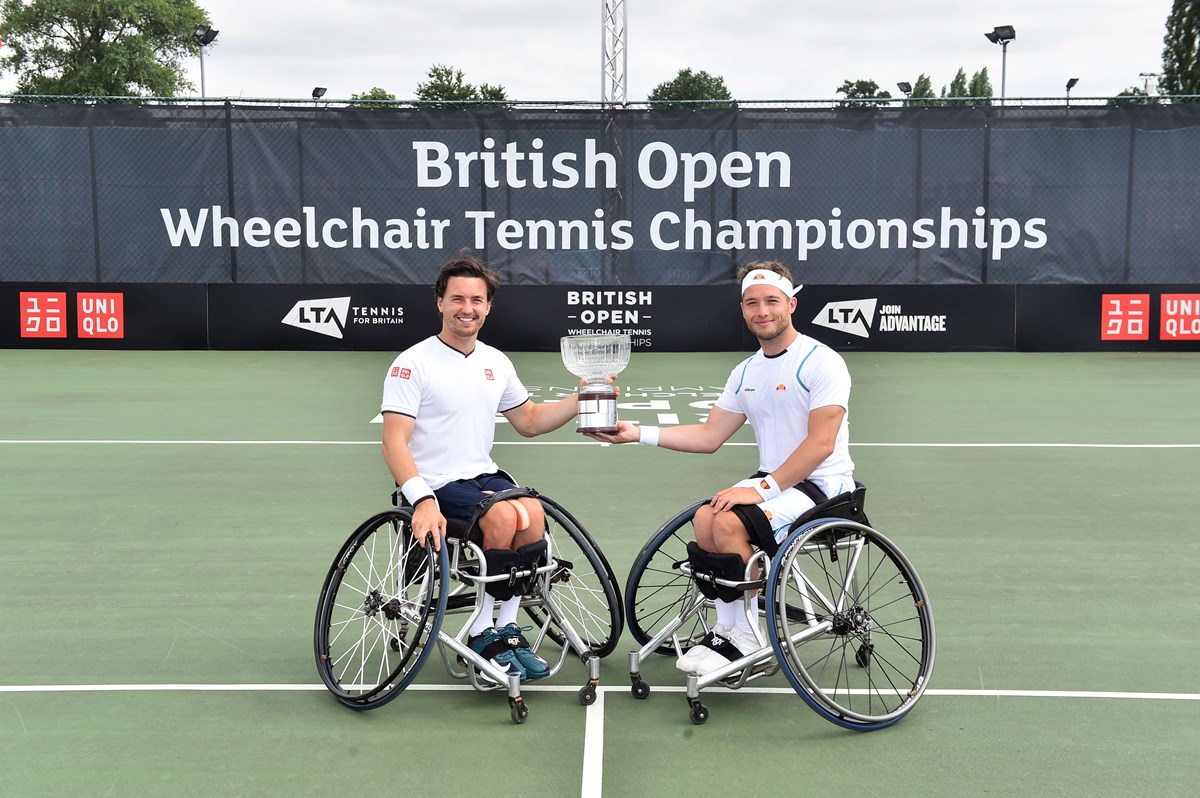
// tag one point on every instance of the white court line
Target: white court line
(911, 445)
(566, 688)
(593, 748)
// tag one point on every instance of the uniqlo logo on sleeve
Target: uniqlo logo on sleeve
(1180, 317)
(100, 315)
(42, 314)
(1125, 317)
(405, 374)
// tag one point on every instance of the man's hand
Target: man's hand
(626, 433)
(726, 499)
(429, 524)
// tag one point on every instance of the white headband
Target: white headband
(767, 277)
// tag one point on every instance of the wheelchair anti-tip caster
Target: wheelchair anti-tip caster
(519, 710)
(699, 712)
(863, 655)
(640, 689)
(587, 694)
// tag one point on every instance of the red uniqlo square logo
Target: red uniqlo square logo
(1180, 317)
(1125, 317)
(42, 314)
(101, 315)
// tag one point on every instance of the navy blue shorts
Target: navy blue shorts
(459, 499)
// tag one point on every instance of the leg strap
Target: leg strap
(722, 566)
(756, 523)
(501, 562)
(531, 555)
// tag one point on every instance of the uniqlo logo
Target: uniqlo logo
(488, 373)
(405, 374)
(100, 315)
(1125, 317)
(1180, 317)
(42, 314)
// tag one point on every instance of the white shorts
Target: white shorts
(791, 504)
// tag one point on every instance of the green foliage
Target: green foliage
(445, 88)
(1134, 96)
(1181, 53)
(980, 87)
(375, 97)
(99, 48)
(692, 90)
(863, 92)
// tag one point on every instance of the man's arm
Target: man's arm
(531, 418)
(823, 426)
(703, 438)
(427, 516)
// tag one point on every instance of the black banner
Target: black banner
(1088, 318)
(103, 316)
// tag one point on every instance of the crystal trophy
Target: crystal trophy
(595, 358)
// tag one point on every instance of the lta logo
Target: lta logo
(323, 316)
(854, 317)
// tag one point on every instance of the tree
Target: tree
(375, 97)
(446, 88)
(103, 48)
(958, 88)
(1134, 96)
(862, 90)
(1181, 55)
(922, 92)
(692, 90)
(980, 87)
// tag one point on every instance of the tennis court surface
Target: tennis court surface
(167, 519)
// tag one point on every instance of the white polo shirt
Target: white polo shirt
(454, 399)
(777, 393)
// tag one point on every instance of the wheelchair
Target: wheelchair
(385, 601)
(848, 619)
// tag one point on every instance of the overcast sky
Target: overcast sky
(551, 49)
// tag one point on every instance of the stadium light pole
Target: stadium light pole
(1002, 35)
(1070, 85)
(204, 35)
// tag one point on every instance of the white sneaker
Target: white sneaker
(698, 652)
(735, 644)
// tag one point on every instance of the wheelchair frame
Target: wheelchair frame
(370, 647)
(836, 593)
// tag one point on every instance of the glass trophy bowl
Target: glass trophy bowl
(595, 358)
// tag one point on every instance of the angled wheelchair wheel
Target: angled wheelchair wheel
(656, 592)
(380, 608)
(852, 626)
(583, 586)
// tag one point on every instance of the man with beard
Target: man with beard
(795, 392)
(440, 399)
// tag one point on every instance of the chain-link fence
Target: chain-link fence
(572, 194)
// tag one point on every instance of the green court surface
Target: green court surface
(167, 518)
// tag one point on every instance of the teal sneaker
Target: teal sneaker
(493, 646)
(534, 666)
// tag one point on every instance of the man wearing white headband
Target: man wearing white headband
(795, 392)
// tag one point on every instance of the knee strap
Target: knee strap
(501, 562)
(531, 556)
(722, 566)
(759, 527)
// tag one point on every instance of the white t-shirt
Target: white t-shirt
(454, 399)
(777, 393)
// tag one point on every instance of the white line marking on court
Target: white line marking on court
(593, 748)
(550, 688)
(910, 445)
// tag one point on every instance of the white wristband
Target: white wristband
(649, 436)
(416, 489)
(768, 488)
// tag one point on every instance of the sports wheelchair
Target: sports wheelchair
(848, 620)
(385, 599)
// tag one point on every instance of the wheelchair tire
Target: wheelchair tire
(584, 586)
(852, 627)
(380, 609)
(657, 593)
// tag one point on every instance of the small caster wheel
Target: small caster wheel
(394, 643)
(863, 655)
(587, 695)
(640, 689)
(699, 713)
(519, 710)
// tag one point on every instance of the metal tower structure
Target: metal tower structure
(613, 60)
